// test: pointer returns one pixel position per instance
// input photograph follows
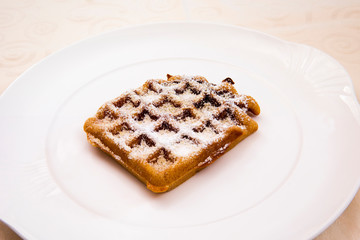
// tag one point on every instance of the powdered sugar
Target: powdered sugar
(182, 116)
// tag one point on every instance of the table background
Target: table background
(32, 29)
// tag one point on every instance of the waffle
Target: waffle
(167, 130)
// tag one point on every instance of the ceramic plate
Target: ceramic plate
(289, 180)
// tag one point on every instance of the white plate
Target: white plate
(289, 180)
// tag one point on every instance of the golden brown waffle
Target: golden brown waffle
(167, 130)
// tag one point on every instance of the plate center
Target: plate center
(238, 181)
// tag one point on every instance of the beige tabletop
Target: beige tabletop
(32, 29)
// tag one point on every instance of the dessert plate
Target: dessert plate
(289, 180)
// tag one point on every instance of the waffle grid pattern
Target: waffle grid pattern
(166, 130)
(187, 111)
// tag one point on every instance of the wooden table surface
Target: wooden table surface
(32, 29)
